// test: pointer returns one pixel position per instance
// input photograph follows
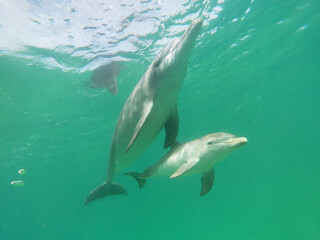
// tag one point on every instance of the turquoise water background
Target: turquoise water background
(253, 73)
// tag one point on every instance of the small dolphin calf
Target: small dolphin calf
(151, 106)
(194, 157)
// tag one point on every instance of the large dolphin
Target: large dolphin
(194, 157)
(151, 106)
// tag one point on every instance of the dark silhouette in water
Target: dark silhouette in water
(105, 77)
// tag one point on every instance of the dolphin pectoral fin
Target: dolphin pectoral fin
(172, 128)
(207, 180)
(112, 85)
(138, 177)
(147, 110)
(185, 167)
(104, 190)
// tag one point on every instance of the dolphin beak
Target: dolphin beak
(192, 32)
(186, 42)
(240, 141)
(197, 24)
(236, 141)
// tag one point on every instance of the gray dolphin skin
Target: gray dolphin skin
(151, 106)
(105, 77)
(194, 157)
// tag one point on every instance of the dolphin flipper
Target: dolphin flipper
(138, 177)
(185, 167)
(147, 110)
(207, 180)
(172, 128)
(104, 190)
(112, 85)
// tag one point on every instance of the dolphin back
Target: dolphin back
(104, 190)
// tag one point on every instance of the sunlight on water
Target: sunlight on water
(97, 31)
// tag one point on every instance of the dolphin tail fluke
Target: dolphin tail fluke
(138, 177)
(104, 190)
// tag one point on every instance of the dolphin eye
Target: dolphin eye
(209, 143)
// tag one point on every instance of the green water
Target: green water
(264, 86)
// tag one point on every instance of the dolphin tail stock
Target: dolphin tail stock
(104, 190)
(138, 177)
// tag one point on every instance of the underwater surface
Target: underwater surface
(254, 72)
